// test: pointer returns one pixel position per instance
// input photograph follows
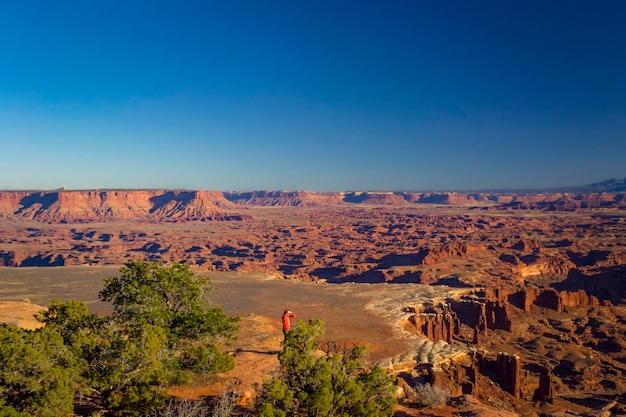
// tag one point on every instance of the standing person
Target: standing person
(287, 315)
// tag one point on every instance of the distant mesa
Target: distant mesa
(82, 206)
(284, 198)
(93, 206)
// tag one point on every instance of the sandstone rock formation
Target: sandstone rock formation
(508, 367)
(437, 323)
(523, 346)
(450, 250)
(284, 198)
(545, 391)
(91, 206)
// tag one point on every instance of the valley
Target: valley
(517, 301)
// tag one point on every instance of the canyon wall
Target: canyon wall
(62, 206)
(90, 206)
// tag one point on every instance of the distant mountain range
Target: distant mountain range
(614, 185)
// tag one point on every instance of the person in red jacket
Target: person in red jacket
(287, 315)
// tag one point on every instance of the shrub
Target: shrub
(185, 408)
(431, 396)
(223, 407)
(335, 384)
(225, 404)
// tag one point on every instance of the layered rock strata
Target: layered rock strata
(91, 206)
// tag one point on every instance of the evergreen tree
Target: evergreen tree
(37, 373)
(176, 300)
(162, 330)
(311, 383)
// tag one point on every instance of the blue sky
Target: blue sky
(311, 95)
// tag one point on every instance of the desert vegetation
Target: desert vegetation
(162, 331)
(334, 383)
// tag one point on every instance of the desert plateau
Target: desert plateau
(512, 302)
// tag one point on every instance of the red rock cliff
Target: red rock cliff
(89, 206)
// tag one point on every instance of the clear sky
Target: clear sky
(311, 95)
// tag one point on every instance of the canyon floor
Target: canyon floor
(522, 311)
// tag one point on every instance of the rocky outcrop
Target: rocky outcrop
(435, 255)
(462, 373)
(527, 245)
(489, 308)
(438, 323)
(576, 298)
(545, 392)
(541, 265)
(457, 377)
(508, 367)
(443, 321)
(472, 313)
(7, 258)
(482, 310)
(555, 300)
(605, 283)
